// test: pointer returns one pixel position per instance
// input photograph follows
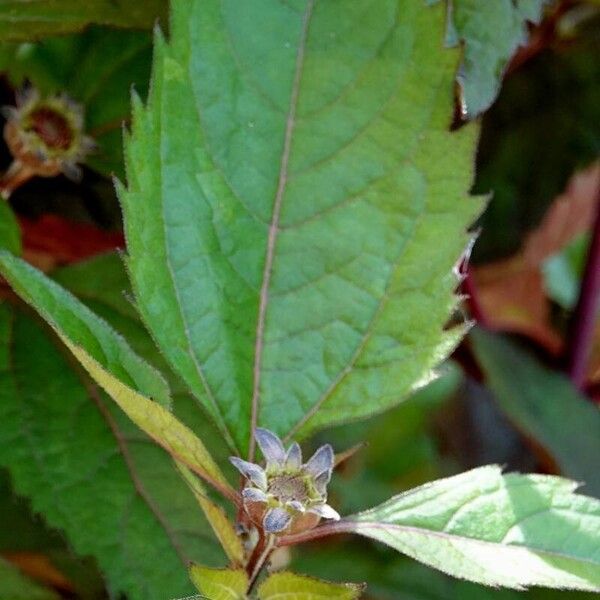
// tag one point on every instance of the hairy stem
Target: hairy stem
(581, 331)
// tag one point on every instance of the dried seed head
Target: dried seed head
(45, 137)
(286, 496)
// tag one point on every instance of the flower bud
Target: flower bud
(286, 496)
(45, 137)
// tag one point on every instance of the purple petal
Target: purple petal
(295, 505)
(321, 461)
(325, 511)
(271, 446)
(293, 458)
(276, 519)
(251, 471)
(321, 482)
(254, 495)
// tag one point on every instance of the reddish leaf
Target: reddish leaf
(511, 292)
(52, 241)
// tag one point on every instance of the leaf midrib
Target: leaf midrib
(274, 225)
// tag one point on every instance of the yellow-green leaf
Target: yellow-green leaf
(217, 518)
(288, 586)
(156, 421)
(220, 584)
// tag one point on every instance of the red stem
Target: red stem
(470, 289)
(582, 327)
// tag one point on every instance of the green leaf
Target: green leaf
(563, 272)
(91, 472)
(72, 320)
(16, 586)
(157, 422)
(97, 68)
(281, 586)
(220, 584)
(392, 576)
(492, 32)
(510, 530)
(10, 233)
(544, 405)
(23, 20)
(304, 203)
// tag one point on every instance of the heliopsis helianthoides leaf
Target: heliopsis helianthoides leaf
(503, 530)
(296, 205)
(281, 586)
(127, 378)
(220, 584)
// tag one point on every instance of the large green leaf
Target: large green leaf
(510, 530)
(545, 405)
(491, 33)
(97, 68)
(91, 472)
(16, 586)
(24, 20)
(295, 206)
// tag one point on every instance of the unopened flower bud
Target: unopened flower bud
(286, 496)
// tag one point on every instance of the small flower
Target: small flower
(286, 495)
(45, 137)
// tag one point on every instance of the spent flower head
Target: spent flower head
(45, 136)
(286, 495)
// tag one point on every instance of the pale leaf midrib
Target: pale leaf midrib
(451, 537)
(274, 226)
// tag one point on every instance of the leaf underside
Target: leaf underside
(295, 206)
(511, 530)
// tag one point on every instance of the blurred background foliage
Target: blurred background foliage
(501, 398)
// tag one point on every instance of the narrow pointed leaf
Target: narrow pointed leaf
(23, 20)
(157, 422)
(510, 530)
(113, 365)
(217, 518)
(295, 207)
(281, 586)
(92, 473)
(76, 322)
(545, 405)
(220, 584)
